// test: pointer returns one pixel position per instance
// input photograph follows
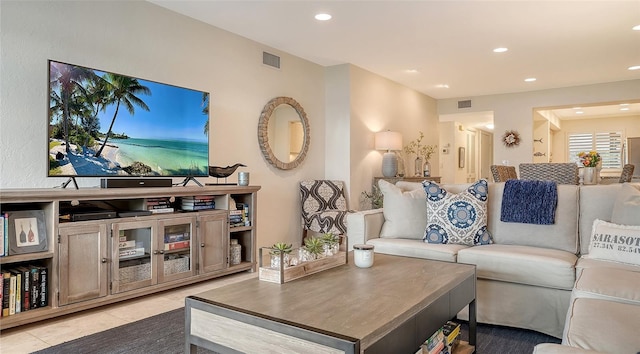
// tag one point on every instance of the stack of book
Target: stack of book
(159, 205)
(443, 341)
(128, 248)
(177, 241)
(240, 216)
(24, 288)
(198, 202)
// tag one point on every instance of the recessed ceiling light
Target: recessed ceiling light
(489, 126)
(579, 112)
(624, 108)
(530, 79)
(636, 28)
(323, 17)
(442, 86)
(635, 67)
(500, 50)
(411, 71)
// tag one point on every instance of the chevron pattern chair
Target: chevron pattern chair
(324, 207)
(503, 173)
(627, 173)
(561, 173)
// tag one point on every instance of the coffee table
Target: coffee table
(392, 307)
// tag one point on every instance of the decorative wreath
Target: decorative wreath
(511, 138)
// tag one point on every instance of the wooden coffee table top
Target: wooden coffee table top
(359, 303)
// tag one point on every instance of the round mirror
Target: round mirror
(283, 133)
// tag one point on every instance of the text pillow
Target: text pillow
(405, 212)
(457, 218)
(613, 242)
(626, 209)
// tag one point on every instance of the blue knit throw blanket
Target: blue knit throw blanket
(529, 202)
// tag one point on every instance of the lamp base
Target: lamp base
(389, 164)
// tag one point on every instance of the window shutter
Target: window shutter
(607, 144)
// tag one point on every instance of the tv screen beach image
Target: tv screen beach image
(105, 124)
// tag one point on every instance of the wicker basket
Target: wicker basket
(176, 265)
(135, 273)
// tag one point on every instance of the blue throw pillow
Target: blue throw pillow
(457, 218)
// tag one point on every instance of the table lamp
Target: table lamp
(390, 141)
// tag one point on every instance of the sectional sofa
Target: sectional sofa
(527, 275)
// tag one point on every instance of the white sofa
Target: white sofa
(526, 277)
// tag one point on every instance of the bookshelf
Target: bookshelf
(91, 263)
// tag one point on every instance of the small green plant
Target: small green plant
(314, 245)
(330, 239)
(281, 248)
(375, 197)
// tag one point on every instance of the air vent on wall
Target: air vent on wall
(464, 104)
(271, 60)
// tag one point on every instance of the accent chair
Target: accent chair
(627, 173)
(503, 173)
(561, 173)
(324, 207)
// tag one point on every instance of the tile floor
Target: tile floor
(37, 336)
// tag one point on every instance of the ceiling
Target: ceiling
(560, 43)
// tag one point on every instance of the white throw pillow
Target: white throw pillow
(626, 210)
(613, 242)
(457, 218)
(405, 213)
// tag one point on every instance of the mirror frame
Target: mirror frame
(263, 129)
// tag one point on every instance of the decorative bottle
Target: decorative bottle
(235, 252)
(418, 166)
(426, 172)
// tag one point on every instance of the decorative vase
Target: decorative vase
(400, 166)
(589, 175)
(426, 171)
(418, 167)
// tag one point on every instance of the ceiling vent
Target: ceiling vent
(271, 60)
(464, 104)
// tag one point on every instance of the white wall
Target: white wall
(143, 40)
(362, 105)
(514, 111)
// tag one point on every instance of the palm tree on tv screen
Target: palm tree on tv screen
(69, 78)
(123, 91)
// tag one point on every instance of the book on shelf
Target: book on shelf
(18, 292)
(35, 287)
(161, 210)
(172, 246)
(6, 286)
(12, 294)
(198, 198)
(174, 237)
(5, 234)
(43, 300)
(198, 207)
(2, 222)
(130, 252)
(126, 244)
(26, 287)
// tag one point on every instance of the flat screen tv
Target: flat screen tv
(103, 124)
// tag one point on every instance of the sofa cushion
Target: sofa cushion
(457, 218)
(609, 284)
(522, 264)
(405, 212)
(562, 235)
(596, 202)
(616, 243)
(626, 210)
(601, 325)
(416, 248)
(584, 262)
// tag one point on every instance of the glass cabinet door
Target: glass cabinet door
(133, 262)
(175, 248)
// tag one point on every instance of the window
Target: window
(607, 144)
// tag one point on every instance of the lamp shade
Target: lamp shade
(388, 140)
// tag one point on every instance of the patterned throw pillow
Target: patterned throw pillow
(457, 218)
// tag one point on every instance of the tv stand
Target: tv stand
(96, 257)
(71, 179)
(190, 178)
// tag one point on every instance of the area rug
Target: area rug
(164, 334)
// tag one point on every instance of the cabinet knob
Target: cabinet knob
(202, 244)
(104, 260)
(161, 252)
(155, 252)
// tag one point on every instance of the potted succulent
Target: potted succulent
(279, 250)
(313, 248)
(331, 243)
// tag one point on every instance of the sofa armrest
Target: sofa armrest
(364, 225)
